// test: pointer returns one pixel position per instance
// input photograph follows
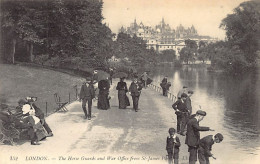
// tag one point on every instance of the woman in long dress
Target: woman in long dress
(122, 97)
(103, 96)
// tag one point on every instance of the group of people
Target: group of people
(30, 117)
(88, 93)
(186, 121)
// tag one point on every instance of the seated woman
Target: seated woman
(122, 97)
(36, 130)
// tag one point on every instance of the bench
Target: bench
(8, 133)
(61, 105)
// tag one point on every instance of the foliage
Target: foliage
(189, 51)
(134, 49)
(60, 28)
(167, 56)
(243, 28)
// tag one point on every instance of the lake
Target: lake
(232, 106)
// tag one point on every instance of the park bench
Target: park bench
(8, 129)
(61, 105)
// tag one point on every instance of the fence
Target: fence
(159, 89)
(49, 104)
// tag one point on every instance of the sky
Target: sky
(205, 15)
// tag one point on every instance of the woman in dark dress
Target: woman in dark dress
(103, 96)
(122, 90)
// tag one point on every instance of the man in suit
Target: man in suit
(193, 135)
(206, 146)
(87, 93)
(135, 91)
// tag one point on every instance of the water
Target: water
(232, 106)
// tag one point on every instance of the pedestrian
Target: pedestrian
(163, 85)
(103, 96)
(181, 112)
(135, 91)
(193, 135)
(183, 90)
(188, 102)
(122, 97)
(205, 146)
(111, 72)
(144, 79)
(173, 146)
(86, 95)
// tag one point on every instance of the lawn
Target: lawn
(21, 81)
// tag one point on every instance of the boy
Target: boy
(205, 147)
(172, 146)
(182, 112)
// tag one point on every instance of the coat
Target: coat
(135, 89)
(171, 146)
(206, 145)
(87, 92)
(188, 104)
(163, 83)
(193, 132)
(121, 86)
(38, 111)
(103, 85)
(181, 106)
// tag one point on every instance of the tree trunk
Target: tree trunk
(13, 52)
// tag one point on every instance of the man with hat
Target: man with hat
(87, 93)
(135, 91)
(182, 113)
(206, 146)
(193, 135)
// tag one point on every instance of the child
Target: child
(205, 147)
(172, 146)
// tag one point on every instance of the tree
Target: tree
(168, 55)
(202, 54)
(243, 28)
(188, 52)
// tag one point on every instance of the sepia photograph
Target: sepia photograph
(130, 81)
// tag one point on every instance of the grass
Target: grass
(21, 81)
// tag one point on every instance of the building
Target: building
(163, 37)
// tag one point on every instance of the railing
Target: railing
(171, 96)
(71, 96)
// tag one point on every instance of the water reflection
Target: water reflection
(232, 103)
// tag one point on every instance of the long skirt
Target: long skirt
(123, 99)
(103, 100)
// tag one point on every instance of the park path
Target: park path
(116, 135)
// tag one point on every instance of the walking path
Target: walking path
(112, 136)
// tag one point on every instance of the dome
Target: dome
(158, 30)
